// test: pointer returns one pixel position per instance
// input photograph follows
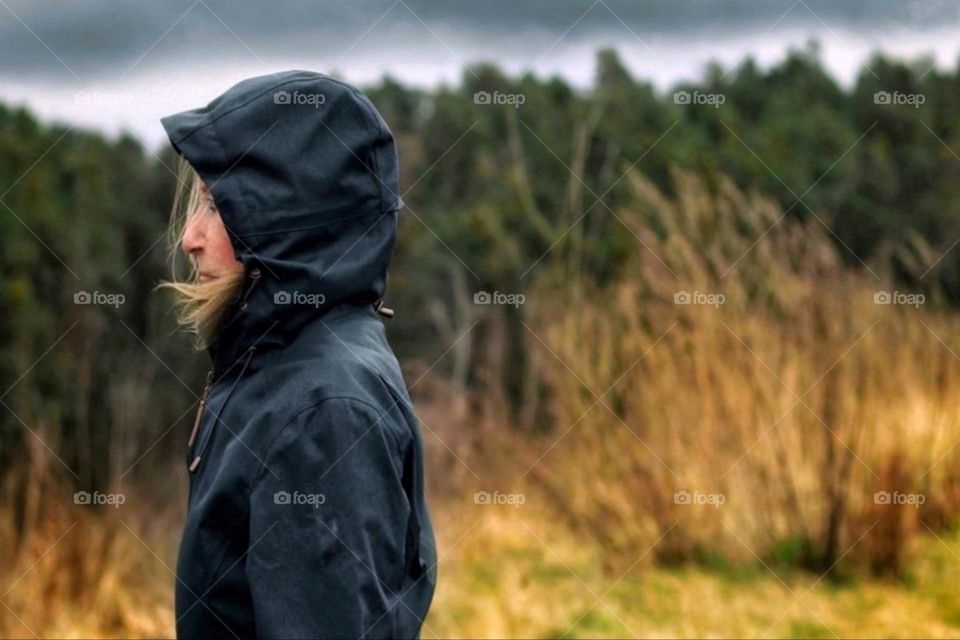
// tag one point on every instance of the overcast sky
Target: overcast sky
(113, 64)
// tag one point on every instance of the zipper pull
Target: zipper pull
(209, 436)
(203, 403)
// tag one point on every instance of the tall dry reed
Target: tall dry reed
(781, 413)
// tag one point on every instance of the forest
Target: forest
(711, 329)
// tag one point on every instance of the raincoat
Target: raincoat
(306, 515)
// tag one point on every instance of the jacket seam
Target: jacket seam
(267, 90)
(369, 213)
(371, 114)
(210, 121)
(280, 432)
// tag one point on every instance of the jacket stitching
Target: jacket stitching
(371, 113)
(368, 214)
(262, 93)
(282, 430)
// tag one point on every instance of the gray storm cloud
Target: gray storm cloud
(122, 64)
(106, 37)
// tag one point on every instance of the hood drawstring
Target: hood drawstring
(241, 305)
(209, 435)
(254, 279)
(386, 312)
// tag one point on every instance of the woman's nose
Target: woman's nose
(193, 237)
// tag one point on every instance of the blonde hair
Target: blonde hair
(200, 305)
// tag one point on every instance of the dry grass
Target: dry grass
(513, 575)
(505, 573)
(88, 572)
(796, 399)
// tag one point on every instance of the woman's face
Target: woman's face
(205, 239)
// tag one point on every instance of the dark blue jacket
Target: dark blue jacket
(306, 514)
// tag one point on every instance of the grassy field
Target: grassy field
(512, 576)
(510, 572)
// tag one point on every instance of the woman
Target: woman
(306, 514)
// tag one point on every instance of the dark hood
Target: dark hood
(304, 172)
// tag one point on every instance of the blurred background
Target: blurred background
(676, 297)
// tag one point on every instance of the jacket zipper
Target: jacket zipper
(208, 437)
(203, 404)
(254, 275)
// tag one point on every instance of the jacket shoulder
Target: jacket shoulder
(340, 390)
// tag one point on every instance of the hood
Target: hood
(304, 172)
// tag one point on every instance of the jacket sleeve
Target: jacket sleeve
(328, 526)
